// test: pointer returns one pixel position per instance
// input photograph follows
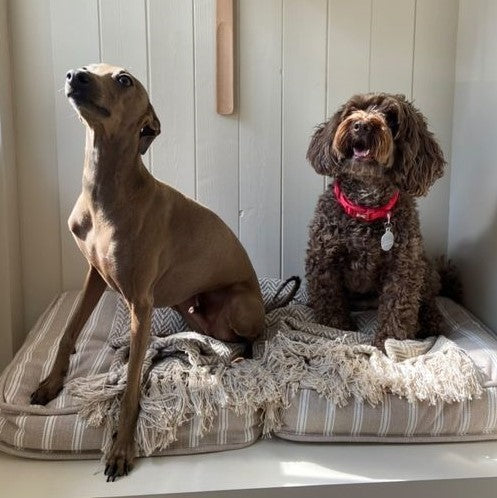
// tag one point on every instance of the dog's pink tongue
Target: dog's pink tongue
(360, 153)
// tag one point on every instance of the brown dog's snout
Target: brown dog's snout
(78, 77)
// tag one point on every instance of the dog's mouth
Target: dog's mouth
(362, 157)
(360, 149)
(361, 153)
(81, 100)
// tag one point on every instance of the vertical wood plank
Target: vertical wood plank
(433, 93)
(216, 135)
(260, 132)
(304, 82)
(392, 46)
(36, 155)
(172, 92)
(6, 273)
(348, 51)
(75, 42)
(123, 36)
(10, 269)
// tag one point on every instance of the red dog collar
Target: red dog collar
(364, 213)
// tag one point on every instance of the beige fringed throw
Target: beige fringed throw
(187, 374)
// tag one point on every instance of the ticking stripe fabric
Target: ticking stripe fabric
(56, 430)
(310, 417)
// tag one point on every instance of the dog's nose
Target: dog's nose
(78, 77)
(361, 126)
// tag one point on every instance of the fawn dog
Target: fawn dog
(147, 241)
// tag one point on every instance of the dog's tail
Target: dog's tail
(280, 303)
(450, 280)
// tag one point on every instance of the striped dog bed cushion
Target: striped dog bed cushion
(56, 430)
(310, 417)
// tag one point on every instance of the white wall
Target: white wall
(473, 202)
(297, 61)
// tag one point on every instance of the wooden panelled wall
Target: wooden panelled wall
(297, 60)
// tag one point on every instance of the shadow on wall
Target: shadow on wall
(476, 257)
(473, 204)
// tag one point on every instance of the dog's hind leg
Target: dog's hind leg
(244, 316)
(92, 291)
(231, 314)
(431, 321)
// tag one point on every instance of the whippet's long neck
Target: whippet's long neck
(113, 169)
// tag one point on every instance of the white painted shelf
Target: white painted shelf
(272, 469)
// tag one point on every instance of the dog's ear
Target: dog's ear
(149, 130)
(419, 158)
(320, 153)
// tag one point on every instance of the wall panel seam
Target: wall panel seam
(99, 21)
(146, 6)
(237, 104)
(413, 47)
(371, 13)
(57, 176)
(282, 90)
(326, 73)
(195, 121)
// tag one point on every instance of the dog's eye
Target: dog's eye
(124, 80)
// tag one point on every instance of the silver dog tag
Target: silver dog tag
(387, 238)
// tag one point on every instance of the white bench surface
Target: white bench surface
(272, 468)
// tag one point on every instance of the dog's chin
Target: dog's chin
(85, 107)
(363, 165)
(363, 171)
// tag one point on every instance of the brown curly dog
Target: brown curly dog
(365, 239)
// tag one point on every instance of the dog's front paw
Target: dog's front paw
(120, 459)
(47, 390)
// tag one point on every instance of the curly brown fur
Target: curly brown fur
(450, 280)
(373, 146)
